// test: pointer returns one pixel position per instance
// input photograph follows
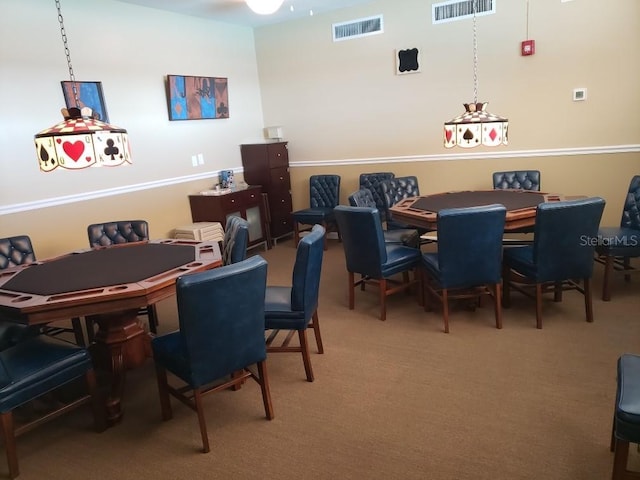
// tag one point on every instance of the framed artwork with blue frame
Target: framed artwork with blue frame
(89, 95)
(197, 98)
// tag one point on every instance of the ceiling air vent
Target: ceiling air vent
(357, 28)
(453, 10)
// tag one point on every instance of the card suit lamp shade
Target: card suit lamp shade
(264, 7)
(80, 141)
(476, 126)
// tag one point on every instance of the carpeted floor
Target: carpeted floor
(392, 400)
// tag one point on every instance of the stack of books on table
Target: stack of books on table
(201, 231)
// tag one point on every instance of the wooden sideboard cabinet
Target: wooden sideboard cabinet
(267, 164)
(247, 203)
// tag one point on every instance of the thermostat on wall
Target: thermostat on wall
(579, 94)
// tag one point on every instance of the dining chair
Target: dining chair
(220, 337)
(35, 367)
(324, 195)
(294, 309)
(15, 251)
(372, 182)
(517, 180)
(466, 266)
(367, 254)
(403, 236)
(616, 246)
(115, 233)
(394, 190)
(236, 240)
(560, 257)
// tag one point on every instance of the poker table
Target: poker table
(109, 284)
(521, 206)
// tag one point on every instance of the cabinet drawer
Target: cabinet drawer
(280, 203)
(278, 155)
(281, 225)
(280, 179)
(240, 199)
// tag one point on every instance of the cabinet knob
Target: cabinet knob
(253, 196)
(233, 200)
(281, 178)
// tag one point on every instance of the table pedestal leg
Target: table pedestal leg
(119, 346)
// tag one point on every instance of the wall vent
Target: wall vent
(361, 27)
(453, 10)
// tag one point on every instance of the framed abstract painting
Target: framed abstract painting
(197, 98)
(89, 95)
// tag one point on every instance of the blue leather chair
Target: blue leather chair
(517, 180)
(37, 366)
(221, 335)
(367, 254)
(295, 308)
(236, 240)
(561, 255)
(372, 182)
(324, 195)
(626, 415)
(15, 251)
(618, 245)
(466, 265)
(115, 233)
(122, 231)
(394, 190)
(403, 236)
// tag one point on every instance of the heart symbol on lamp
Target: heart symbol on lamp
(73, 150)
(448, 134)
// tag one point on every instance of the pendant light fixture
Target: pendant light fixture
(80, 140)
(264, 7)
(476, 126)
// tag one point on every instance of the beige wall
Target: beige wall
(341, 105)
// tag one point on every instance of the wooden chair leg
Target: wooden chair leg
(306, 359)
(606, 282)
(588, 303)
(296, 233)
(8, 434)
(266, 392)
(383, 299)
(153, 318)
(316, 330)
(77, 331)
(326, 233)
(352, 288)
(163, 392)
(496, 305)
(506, 288)
(626, 262)
(612, 445)
(538, 305)
(620, 457)
(557, 292)
(445, 309)
(197, 398)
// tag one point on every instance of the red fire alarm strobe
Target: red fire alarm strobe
(528, 47)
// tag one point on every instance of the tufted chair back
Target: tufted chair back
(562, 242)
(397, 189)
(123, 231)
(362, 198)
(16, 251)
(371, 182)
(631, 210)
(324, 191)
(517, 180)
(236, 240)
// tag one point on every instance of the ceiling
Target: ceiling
(237, 11)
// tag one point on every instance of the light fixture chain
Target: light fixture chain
(65, 42)
(475, 55)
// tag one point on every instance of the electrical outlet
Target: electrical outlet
(200, 159)
(194, 160)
